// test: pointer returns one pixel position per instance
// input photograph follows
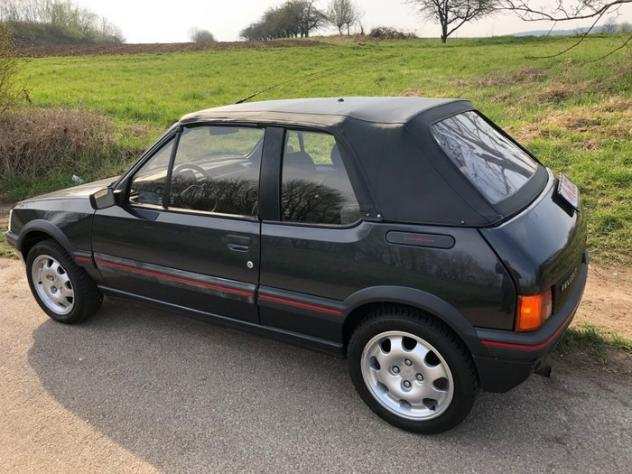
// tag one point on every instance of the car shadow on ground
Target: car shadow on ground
(182, 393)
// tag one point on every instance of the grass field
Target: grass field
(574, 111)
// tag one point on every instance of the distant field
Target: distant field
(574, 112)
(57, 48)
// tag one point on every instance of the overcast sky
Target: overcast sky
(145, 21)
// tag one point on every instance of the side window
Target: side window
(315, 187)
(495, 165)
(216, 169)
(148, 184)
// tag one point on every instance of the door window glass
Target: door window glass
(148, 184)
(315, 187)
(216, 169)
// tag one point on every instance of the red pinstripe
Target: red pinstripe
(218, 287)
(178, 279)
(81, 260)
(299, 304)
(524, 347)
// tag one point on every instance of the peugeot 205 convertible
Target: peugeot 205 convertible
(412, 236)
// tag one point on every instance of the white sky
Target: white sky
(145, 21)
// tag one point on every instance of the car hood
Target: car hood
(81, 191)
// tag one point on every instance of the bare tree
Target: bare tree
(560, 10)
(453, 14)
(566, 10)
(343, 14)
(310, 17)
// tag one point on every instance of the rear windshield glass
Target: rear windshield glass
(493, 163)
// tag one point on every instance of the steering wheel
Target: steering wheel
(187, 189)
(191, 167)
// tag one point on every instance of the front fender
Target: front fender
(45, 227)
(422, 300)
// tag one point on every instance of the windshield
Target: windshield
(494, 164)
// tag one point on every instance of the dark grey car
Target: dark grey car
(410, 235)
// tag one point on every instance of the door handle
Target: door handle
(239, 248)
(238, 243)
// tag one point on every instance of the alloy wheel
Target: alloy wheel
(407, 375)
(53, 285)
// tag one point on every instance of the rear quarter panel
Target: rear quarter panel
(336, 263)
(543, 244)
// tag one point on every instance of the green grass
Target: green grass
(594, 341)
(574, 111)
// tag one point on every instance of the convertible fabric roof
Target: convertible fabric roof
(391, 110)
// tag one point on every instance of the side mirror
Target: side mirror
(103, 199)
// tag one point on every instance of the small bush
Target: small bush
(40, 149)
(202, 36)
(388, 33)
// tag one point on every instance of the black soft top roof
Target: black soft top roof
(399, 171)
(391, 110)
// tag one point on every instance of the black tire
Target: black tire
(87, 298)
(451, 348)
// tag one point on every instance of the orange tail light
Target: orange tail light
(533, 311)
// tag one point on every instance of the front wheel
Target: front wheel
(412, 370)
(62, 288)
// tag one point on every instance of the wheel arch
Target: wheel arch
(39, 230)
(361, 303)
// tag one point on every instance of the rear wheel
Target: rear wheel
(62, 288)
(412, 370)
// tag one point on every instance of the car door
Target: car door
(187, 231)
(311, 237)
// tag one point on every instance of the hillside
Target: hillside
(26, 35)
(35, 36)
(574, 112)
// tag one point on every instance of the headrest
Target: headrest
(299, 161)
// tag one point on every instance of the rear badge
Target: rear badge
(568, 191)
(567, 283)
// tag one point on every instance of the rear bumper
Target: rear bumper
(508, 358)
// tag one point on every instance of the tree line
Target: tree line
(73, 21)
(299, 18)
